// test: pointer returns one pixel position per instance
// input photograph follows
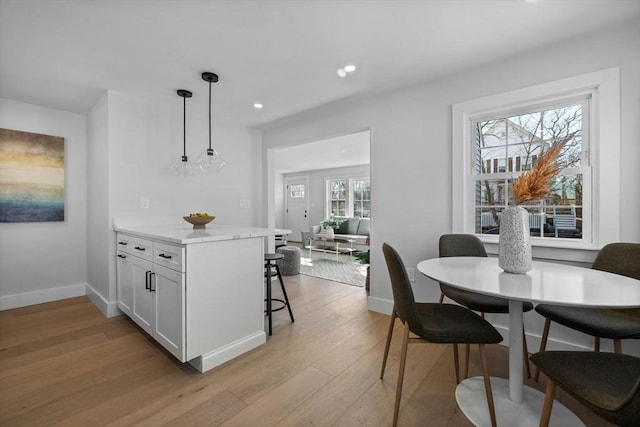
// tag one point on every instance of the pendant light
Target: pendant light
(210, 160)
(183, 166)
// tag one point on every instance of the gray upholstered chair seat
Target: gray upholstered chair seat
(606, 383)
(449, 323)
(599, 322)
(478, 302)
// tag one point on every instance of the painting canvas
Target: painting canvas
(31, 177)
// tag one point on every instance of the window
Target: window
(513, 141)
(498, 137)
(362, 198)
(296, 191)
(349, 197)
(338, 197)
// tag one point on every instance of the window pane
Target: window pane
(491, 192)
(488, 220)
(296, 191)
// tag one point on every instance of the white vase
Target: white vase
(514, 247)
(329, 234)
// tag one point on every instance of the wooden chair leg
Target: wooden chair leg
(526, 353)
(403, 359)
(548, 404)
(467, 355)
(441, 298)
(487, 386)
(388, 344)
(596, 344)
(617, 346)
(543, 344)
(456, 362)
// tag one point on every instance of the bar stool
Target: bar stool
(269, 265)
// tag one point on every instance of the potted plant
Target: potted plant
(329, 226)
(364, 258)
(332, 223)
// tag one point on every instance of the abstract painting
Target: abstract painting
(31, 177)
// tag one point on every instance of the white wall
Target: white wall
(411, 147)
(45, 261)
(117, 154)
(99, 289)
(133, 143)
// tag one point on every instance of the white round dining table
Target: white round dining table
(549, 283)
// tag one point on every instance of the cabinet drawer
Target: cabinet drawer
(170, 256)
(135, 246)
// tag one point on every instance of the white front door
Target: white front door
(297, 207)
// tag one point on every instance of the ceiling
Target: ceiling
(340, 151)
(65, 53)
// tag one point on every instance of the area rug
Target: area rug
(344, 269)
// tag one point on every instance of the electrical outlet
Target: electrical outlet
(145, 202)
(411, 272)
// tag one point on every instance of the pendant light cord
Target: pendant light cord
(184, 127)
(209, 115)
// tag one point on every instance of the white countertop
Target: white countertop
(185, 234)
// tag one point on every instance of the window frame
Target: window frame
(603, 88)
(508, 171)
(349, 195)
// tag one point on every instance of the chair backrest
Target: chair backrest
(461, 245)
(619, 258)
(404, 301)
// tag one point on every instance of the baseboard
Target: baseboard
(380, 305)
(38, 297)
(108, 308)
(215, 358)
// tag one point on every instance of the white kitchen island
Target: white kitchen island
(199, 293)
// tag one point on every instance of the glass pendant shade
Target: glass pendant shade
(210, 160)
(183, 166)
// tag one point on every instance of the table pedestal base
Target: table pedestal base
(472, 400)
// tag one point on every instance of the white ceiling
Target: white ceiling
(341, 151)
(64, 53)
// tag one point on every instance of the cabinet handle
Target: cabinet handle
(123, 243)
(164, 256)
(139, 248)
(152, 279)
(147, 282)
(121, 256)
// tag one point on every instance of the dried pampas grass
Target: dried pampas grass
(534, 183)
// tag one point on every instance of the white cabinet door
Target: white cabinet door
(124, 281)
(168, 288)
(143, 310)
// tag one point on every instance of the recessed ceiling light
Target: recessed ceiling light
(258, 106)
(342, 72)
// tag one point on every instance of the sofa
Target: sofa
(356, 229)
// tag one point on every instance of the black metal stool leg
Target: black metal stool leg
(268, 284)
(286, 298)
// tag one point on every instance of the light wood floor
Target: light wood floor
(65, 364)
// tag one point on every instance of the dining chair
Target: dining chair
(615, 324)
(606, 383)
(469, 245)
(433, 323)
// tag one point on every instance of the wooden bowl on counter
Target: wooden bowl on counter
(199, 221)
